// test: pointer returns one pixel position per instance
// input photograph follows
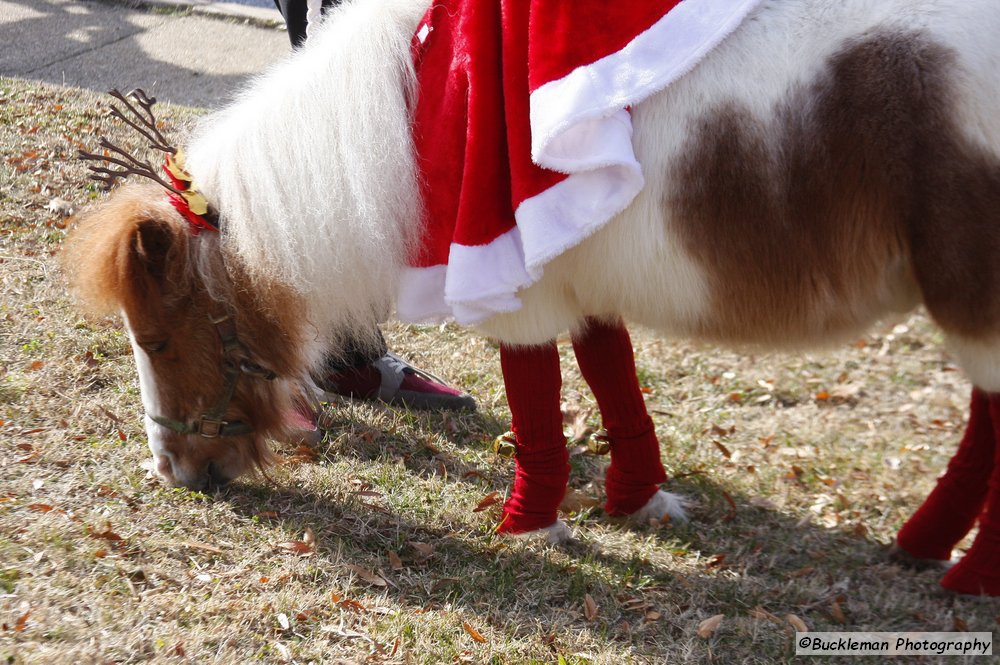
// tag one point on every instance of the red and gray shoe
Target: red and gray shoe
(392, 380)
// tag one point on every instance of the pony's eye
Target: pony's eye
(153, 347)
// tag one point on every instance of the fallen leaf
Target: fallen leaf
(29, 458)
(633, 604)
(22, 622)
(490, 499)
(960, 626)
(762, 614)
(476, 635)
(725, 451)
(296, 547)
(798, 624)
(731, 515)
(394, 561)
(366, 575)
(651, 616)
(107, 534)
(716, 561)
(575, 501)
(837, 613)
(708, 627)
(40, 507)
(424, 549)
(721, 431)
(307, 615)
(589, 608)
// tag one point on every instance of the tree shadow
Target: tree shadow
(99, 46)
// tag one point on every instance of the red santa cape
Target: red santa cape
(523, 137)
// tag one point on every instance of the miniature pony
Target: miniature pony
(830, 162)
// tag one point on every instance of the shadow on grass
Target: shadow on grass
(727, 560)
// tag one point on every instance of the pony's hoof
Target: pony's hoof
(556, 533)
(660, 505)
(900, 556)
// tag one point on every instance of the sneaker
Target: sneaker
(392, 380)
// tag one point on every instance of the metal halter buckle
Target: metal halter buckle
(210, 428)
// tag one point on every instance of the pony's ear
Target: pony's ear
(154, 246)
(127, 249)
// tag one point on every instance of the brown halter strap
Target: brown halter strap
(211, 424)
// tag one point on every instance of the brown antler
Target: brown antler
(148, 129)
(145, 124)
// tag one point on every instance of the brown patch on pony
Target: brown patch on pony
(807, 221)
(134, 254)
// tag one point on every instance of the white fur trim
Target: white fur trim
(660, 504)
(556, 533)
(668, 50)
(579, 127)
(478, 282)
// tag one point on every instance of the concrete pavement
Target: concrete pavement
(189, 52)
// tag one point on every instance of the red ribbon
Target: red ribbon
(198, 222)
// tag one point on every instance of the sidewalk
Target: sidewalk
(190, 52)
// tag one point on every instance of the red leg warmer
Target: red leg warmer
(604, 353)
(951, 509)
(978, 572)
(533, 382)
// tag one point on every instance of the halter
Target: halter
(191, 204)
(211, 424)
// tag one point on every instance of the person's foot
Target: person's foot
(392, 380)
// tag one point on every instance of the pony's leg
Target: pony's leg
(604, 353)
(978, 572)
(951, 509)
(533, 382)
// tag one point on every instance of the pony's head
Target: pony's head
(219, 372)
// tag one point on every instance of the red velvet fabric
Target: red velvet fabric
(604, 353)
(533, 381)
(951, 509)
(978, 572)
(477, 63)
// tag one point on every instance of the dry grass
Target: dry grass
(802, 468)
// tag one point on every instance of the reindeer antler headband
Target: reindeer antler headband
(184, 196)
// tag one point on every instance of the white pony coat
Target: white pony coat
(312, 170)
